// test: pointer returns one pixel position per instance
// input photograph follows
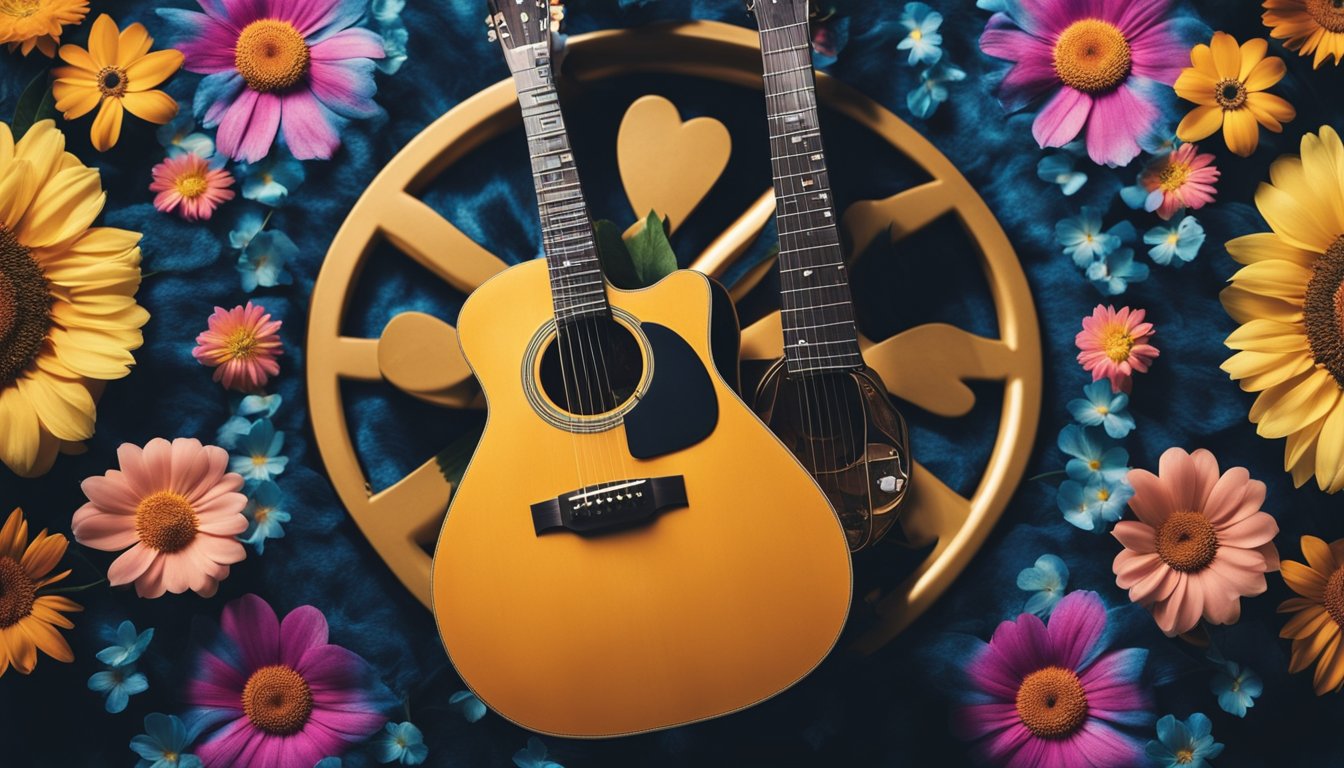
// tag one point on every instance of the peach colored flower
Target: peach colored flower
(242, 345)
(189, 186)
(1113, 345)
(176, 507)
(1200, 544)
(1186, 178)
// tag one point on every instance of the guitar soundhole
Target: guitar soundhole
(592, 366)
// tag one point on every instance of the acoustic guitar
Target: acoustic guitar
(630, 548)
(820, 398)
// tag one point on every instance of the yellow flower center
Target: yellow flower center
(1327, 13)
(25, 308)
(271, 55)
(112, 82)
(1117, 343)
(1104, 494)
(1187, 542)
(262, 514)
(277, 700)
(20, 9)
(1323, 311)
(241, 344)
(1334, 596)
(1092, 56)
(165, 521)
(1185, 756)
(1230, 94)
(192, 185)
(1173, 176)
(1051, 703)
(916, 35)
(17, 592)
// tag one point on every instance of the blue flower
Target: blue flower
(1099, 406)
(1046, 580)
(466, 702)
(1092, 458)
(272, 180)
(1059, 168)
(1084, 242)
(164, 743)
(128, 647)
(328, 762)
(1236, 688)
(1087, 506)
(401, 743)
(1182, 240)
(118, 685)
(534, 756)
(1184, 744)
(386, 15)
(264, 516)
(1113, 274)
(932, 90)
(997, 6)
(259, 452)
(179, 135)
(1160, 139)
(922, 38)
(262, 406)
(246, 227)
(262, 262)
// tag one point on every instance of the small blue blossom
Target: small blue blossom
(932, 90)
(264, 516)
(1181, 240)
(246, 227)
(260, 406)
(128, 647)
(118, 685)
(1184, 744)
(534, 756)
(1113, 274)
(466, 702)
(1060, 168)
(1046, 581)
(1236, 687)
(1088, 506)
(1099, 406)
(258, 456)
(400, 743)
(272, 180)
(262, 262)
(164, 743)
(1160, 139)
(179, 135)
(1092, 458)
(252, 406)
(922, 38)
(386, 15)
(1083, 241)
(328, 762)
(997, 6)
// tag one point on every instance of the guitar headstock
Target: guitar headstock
(772, 14)
(519, 24)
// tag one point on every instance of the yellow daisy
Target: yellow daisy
(1308, 26)
(28, 619)
(1228, 84)
(29, 24)
(116, 71)
(68, 316)
(1318, 615)
(1289, 299)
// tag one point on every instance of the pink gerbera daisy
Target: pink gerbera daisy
(242, 345)
(1200, 544)
(292, 67)
(1113, 345)
(1046, 695)
(275, 694)
(188, 185)
(1095, 65)
(178, 509)
(1185, 178)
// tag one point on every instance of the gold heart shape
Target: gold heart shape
(668, 165)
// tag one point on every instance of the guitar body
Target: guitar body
(719, 601)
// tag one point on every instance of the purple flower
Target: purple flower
(1045, 694)
(295, 68)
(1094, 65)
(273, 693)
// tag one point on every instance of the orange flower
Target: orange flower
(28, 620)
(1318, 613)
(1228, 84)
(29, 24)
(1308, 26)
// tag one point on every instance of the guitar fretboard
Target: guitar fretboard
(817, 308)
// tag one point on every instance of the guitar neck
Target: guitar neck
(817, 308)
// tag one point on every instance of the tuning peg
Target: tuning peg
(491, 35)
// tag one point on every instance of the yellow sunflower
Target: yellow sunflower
(116, 71)
(1228, 82)
(29, 24)
(1318, 613)
(68, 316)
(1289, 299)
(28, 620)
(1308, 26)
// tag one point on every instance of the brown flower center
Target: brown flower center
(277, 700)
(1051, 702)
(165, 521)
(1117, 344)
(1173, 176)
(1327, 13)
(17, 592)
(1334, 596)
(1092, 56)
(112, 82)
(271, 55)
(1187, 542)
(25, 308)
(1230, 94)
(1323, 311)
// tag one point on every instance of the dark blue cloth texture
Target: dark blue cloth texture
(891, 709)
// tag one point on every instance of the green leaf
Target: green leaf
(454, 459)
(35, 104)
(651, 252)
(615, 257)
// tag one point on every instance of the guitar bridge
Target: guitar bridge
(607, 506)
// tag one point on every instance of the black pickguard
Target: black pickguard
(680, 407)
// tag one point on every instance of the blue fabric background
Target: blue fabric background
(890, 709)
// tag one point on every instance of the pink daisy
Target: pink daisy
(1095, 65)
(275, 694)
(188, 185)
(176, 507)
(242, 345)
(1183, 179)
(1201, 542)
(297, 68)
(1113, 345)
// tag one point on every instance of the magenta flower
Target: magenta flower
(1045, 694)
(291, 67)
(276, 694)
(1095, 65)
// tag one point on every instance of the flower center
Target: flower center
(1327, 13)
(192, 185)
(1230, 94)
(20, 9)
(1051, 702)
(165, 521)
(1334, 596)
(241, 344)
(1173, 176)
(277, 700)
(112, 82)
(1117, 343)
(1187, 542)
(1185, 756)
(17, 592)
(25, 308)
(271, 55)
(1092, 56)
(1322, 311)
